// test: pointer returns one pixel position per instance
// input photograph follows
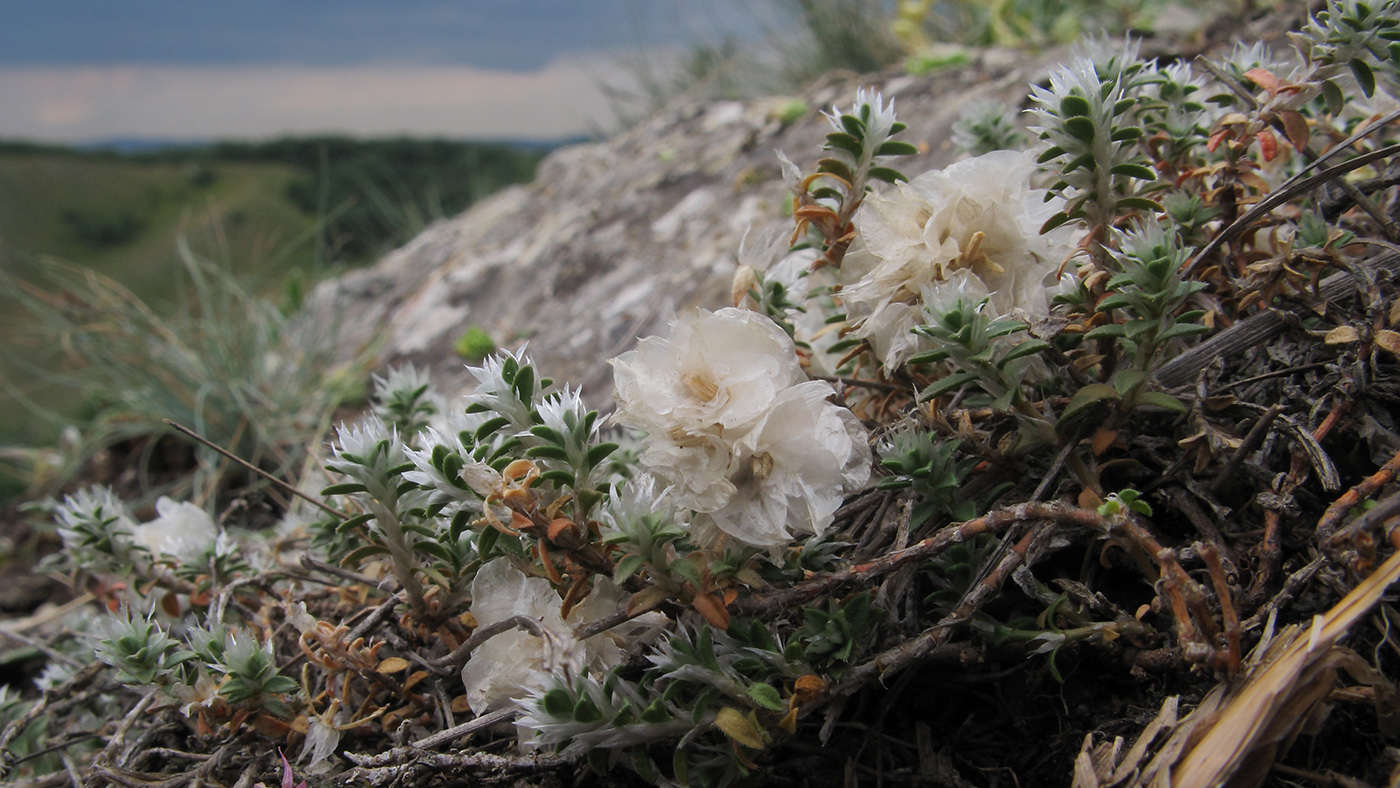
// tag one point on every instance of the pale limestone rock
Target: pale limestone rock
(614, 239)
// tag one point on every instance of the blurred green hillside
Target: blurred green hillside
(278, 214)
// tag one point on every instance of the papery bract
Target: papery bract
(511, 664)
(979, 215)
(793, 469)
(183, 532)
(698, 391)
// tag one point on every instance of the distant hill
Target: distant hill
(280, 213)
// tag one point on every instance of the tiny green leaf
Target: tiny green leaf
(767, 697)
(1364, 76)
(1087, 396)
(896, 148)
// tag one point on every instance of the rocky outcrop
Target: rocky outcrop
(612, 239)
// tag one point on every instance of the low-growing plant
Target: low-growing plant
(685, 606)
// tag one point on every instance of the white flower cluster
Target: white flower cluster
(979, 218)
(735, 427)
(512, 664)
(96, 520)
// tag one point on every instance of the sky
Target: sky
(91, 70)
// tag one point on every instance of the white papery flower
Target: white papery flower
(792, 470)
(512, 664)
(719, 371)
(980, 215)
(699, 391)
(182, 532)
(318, 750)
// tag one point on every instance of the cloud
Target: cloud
(75, 104)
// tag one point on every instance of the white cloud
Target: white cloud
(72, 104)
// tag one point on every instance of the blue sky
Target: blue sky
(75, 70)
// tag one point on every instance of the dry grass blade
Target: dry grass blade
(1234, 735)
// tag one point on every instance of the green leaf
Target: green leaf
(1080, 128)
(490, 426)
(343, 489)
(1050, 153)
(1134, 171)
(1072, 105)
(600, 452)
(896, 148)
(1140, 203)
(627, 567)
(486, 542)
(435, 550)
(845, 142)
(1161, 400)
(642, 764)
(1336, 103)
(767, 697)
(586, 710)
(560, 477)
(656, 712)
(1127, 134)
(1085, 160)
(1053, 222)
(357, 520)
(1123, 105)
(945, 385)
(1028, 348)
(836, 167)
(887, 175)
(853, 126)
(686, 568)
(524, 384)
(547, 433)
(1113, 301)
(1088, 396)
(280, 685)
(1125, 380)
(547, 452)
(1364, 76)
(557, 703)
(360, 554)
(680, 766)
(1183, 330)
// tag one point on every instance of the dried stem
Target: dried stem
(1332, 518)
(863, 573)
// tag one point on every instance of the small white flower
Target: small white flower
(978, 215)
(512, 664)
(322, 739)
(718, 372)
(699, 391)
(182, 532)
(793, 469)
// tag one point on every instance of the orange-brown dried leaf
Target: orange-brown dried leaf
(712, 610)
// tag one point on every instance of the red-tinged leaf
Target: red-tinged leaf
(1268, 144)
(712, 610)
(1216, 139)
(1296, 127)
(1264, 79)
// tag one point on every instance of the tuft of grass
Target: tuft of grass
(227, 363)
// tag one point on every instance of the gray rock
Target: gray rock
(614, 238)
